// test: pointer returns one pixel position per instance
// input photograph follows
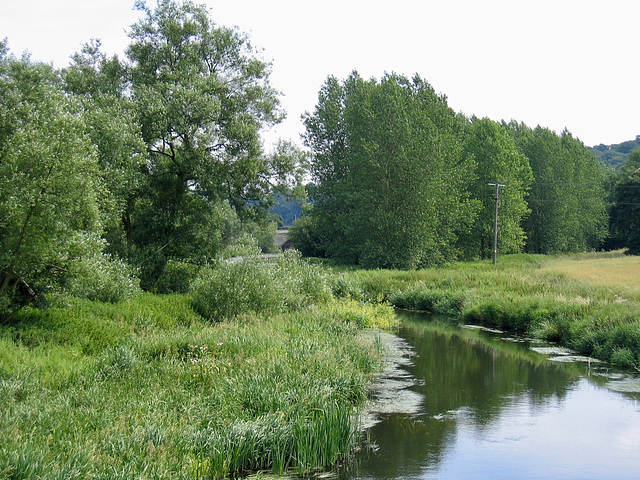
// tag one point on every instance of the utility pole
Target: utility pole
(495, 222)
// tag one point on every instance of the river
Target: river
(477, 404)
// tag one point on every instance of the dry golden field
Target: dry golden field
(612, 269)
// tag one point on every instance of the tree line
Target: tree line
(400, 180)
(118, 172)
(124, 173)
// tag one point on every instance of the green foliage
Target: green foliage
(434, 300)
(306, 234)
(615, 155)
(625, 209)
(567, 197)
(49, 181)
(251, 285)
(381, 153)
(497, 161)
(519, 294)
(95, 275)
(176, 277)
(201, 97)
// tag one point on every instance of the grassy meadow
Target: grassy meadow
(263, 366)
(156, 388)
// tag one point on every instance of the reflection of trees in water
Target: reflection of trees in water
(464, 375)
(471, 369)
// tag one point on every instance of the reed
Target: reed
(153, 390)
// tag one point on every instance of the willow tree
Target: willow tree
(49, 183)
(391, 172)
(202, 95)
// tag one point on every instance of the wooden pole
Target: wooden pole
(495, 222)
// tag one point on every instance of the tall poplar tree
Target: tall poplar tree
(391, 172)
(567, 197)
(625, 211)
(498, 160)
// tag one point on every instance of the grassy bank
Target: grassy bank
(152, 387)
(589, 302)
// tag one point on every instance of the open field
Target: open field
(611, 269)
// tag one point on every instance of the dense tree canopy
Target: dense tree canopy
(567, 198)
(202, 96)
(149, 159)
(498, 160)
(390, 170)
(625, 210)
(49, 181)
(402, 181)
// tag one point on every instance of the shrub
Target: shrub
(248, 285)
(103, 278)
(176, 277)
(434, 300)
(232, 288)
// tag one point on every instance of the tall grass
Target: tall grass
(589, 302)
(148, 388)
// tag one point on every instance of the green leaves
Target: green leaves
(497, 160)
(49, 178)
(387, 156)
(625, 211)
(567, 197)
(202, 97)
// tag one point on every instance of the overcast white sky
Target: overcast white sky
(555, 63)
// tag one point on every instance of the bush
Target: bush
(103, 278)
(252, 285)
(434, 300)
(176, 277)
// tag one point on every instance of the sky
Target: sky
(556, 63)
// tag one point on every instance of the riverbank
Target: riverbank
(589, 303)
(264, 366)
(151, 387)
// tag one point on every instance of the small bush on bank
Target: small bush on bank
(429, 299)
(103, 278)
(176, 277)
(252, 285)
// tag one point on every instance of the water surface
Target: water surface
(490, 407)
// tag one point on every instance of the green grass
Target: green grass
(589, 302)
(147, 388)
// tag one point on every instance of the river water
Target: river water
(476, 404)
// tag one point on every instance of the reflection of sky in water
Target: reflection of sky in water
(496, 410)
(592, 433)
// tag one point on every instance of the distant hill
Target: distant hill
(615, 155)
(288, 209)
